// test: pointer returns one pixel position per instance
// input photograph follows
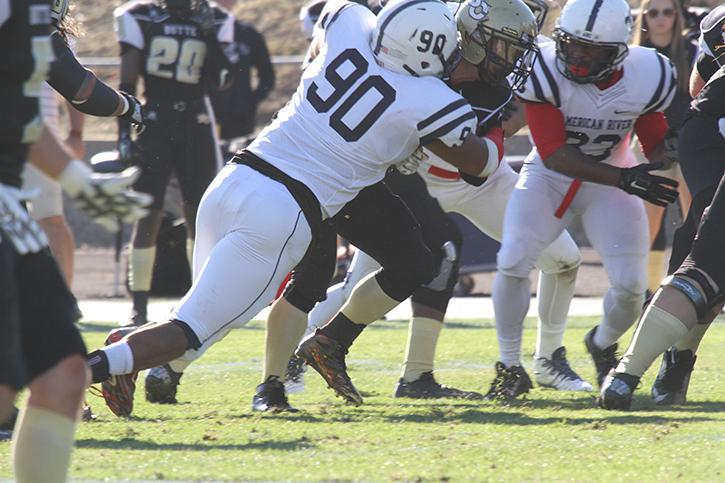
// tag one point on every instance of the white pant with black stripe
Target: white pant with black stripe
(250, 232)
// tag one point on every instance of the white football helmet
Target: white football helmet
(591, 39)
(416, 37)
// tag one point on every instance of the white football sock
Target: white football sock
(141, 268)
(555, 293)
(621, 310)
(511, 299)
(42, 446)
(120, 358)
(658, 330)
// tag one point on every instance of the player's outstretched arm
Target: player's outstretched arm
(86, 91)
(477, 156)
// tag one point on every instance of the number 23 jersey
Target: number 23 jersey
(174, 49)
(350, 119)
(597, 121)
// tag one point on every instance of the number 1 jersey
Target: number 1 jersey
(351, 119)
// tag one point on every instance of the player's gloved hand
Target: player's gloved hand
(127, 150)
(107, 198)
(16, 224)
(203, 17)
(638, 181)
(134, 114)
(410, 165)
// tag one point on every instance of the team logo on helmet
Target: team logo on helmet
(478, 9)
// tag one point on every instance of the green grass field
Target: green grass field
(213, 435)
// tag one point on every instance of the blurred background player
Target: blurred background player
(584, 96)
(235, 107)
(176, 46)
(40, 345)
(660, 25)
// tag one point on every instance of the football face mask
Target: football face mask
(586, 62)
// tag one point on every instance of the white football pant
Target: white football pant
(250, 232)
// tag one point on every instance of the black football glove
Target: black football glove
(638, 181)
(134, 114)
(128, 152)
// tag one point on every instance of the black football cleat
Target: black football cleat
(161, 384)
(326, 356)
(509, 383)
(673, 379)
(604, 359)
(617, 391)
(426, 387)
(270, 397)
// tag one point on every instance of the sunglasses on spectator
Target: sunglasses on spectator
(667, 12)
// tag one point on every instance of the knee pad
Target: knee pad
(704, 297)
(630, 287)
(300, 299)
(192, 340)
(513, 259)
(448, 270)
(395, 286)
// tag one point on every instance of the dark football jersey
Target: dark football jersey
(487, 101)
(711, 99)
(175, 53)
(26, 54)
(712, 43)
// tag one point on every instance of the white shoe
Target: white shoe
(557, 374)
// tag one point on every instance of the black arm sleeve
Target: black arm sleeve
(68, 77)
(263, 63)
(706, 66)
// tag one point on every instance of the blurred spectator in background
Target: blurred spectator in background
(236, 107)
(661, 25)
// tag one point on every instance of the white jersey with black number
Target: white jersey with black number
(597, 121)
(351, 119)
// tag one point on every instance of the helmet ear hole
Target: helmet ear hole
(424, 65)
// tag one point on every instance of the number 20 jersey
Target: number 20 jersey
(598, 121)
(350, 119)
(174, 50)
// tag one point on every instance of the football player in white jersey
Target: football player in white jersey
(484, 205)
(358, 110)
(586, 94)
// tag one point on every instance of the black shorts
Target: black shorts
(708, 248)
(438, 228)
(36, 316)
(387, 221)
(701, 152)
(178, 139)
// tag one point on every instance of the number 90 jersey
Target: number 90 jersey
(174, 49)
(350, 119)
(597, 121)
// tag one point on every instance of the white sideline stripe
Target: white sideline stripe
(115, 310)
